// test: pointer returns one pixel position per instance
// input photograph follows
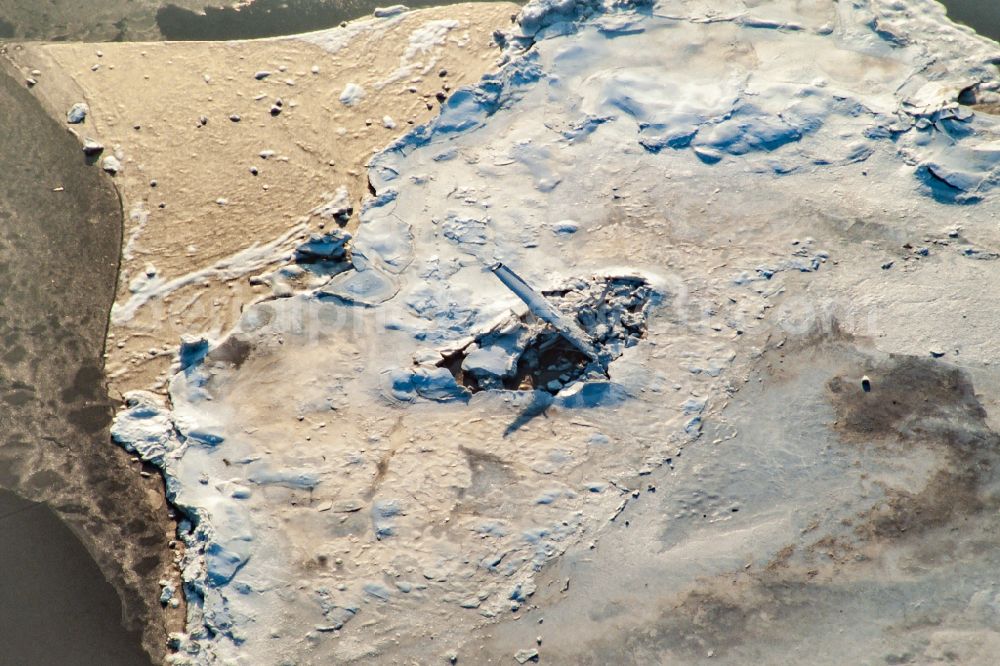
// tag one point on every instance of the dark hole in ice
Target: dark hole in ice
(525, 353)
(547, 359)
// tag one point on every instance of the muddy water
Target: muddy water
(60, 235)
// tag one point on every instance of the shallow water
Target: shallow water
(56, 607)
(135, 20)
(265, 18)
(58, 270)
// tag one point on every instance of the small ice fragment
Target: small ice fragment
(377, 591)
(167, 594)
(192, 350)
(348, 506)
(352, 94)
(383, 512)
(386, 12)
(707, 155)
(240, 492)
(92, 147)
(77, 114)
(524, 656)
(111, 165)
(323, 247)
(565, 227)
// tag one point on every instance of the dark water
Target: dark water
(55, 606)
(58, 271)
(266, 18)
(983, 16)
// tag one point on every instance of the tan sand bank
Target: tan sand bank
(217, 179)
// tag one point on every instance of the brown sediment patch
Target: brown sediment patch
(992, 109)
(915, 408)
(922, 404)
(979, 99)
(711, 620)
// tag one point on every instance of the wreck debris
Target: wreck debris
(529, 352)
(542, 309)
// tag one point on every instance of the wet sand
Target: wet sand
(58, 263)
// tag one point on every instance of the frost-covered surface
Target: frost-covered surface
(151, 285)
(755, 163)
